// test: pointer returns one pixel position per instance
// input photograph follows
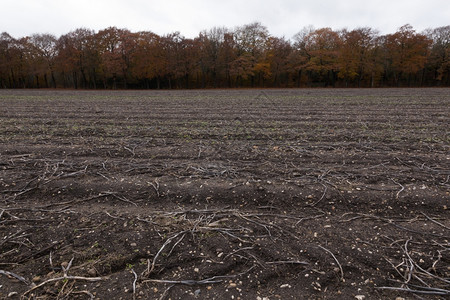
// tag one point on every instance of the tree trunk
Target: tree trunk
(94, 79)
(299, 79)
(125, 81)
(422, 79)
(214, 74)
(64, 79)
(13, 78)
(84, 78)
(46, 81)
(75, 80)
(399, 76)
(203, 83)
(53, 79)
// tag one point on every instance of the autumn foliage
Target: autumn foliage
(247, 56)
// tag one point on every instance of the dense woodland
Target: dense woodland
(247, 56)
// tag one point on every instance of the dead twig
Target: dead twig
(415, 271)
(309, 218)
(434, 221)
(51, 260)
(401, 189)
(210, 280)
(429, 291)
(66, 269)
(131, 150)
(287, 262)
(323, 195)
(176, 243)
(18, 234)
(186, 282)
(63, 292)
(85, 292)
(104, 176)
(156, 187)
(20, 278)
(236, 251)
(166, 291)
(335, 259)
(65, 277)
(114, 217)
(225, 231)
(415, 265)
(69, 203)
(152, 267)
(134, 283)
(119, 197)
(391, 222)
(44, 250)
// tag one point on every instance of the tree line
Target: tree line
(246, 56)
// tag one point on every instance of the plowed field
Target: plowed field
(225, 194)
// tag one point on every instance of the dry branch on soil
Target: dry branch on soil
(65, 278)
(416, 279)
(210, 280)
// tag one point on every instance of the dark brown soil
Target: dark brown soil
(241, 194)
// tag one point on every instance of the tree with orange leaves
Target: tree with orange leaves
(251, 41)
(247, 56)
(322, 49)
(356, 56)
(115, 48)
(406, 53)
(148, 61)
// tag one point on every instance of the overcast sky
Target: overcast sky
(283, 17)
